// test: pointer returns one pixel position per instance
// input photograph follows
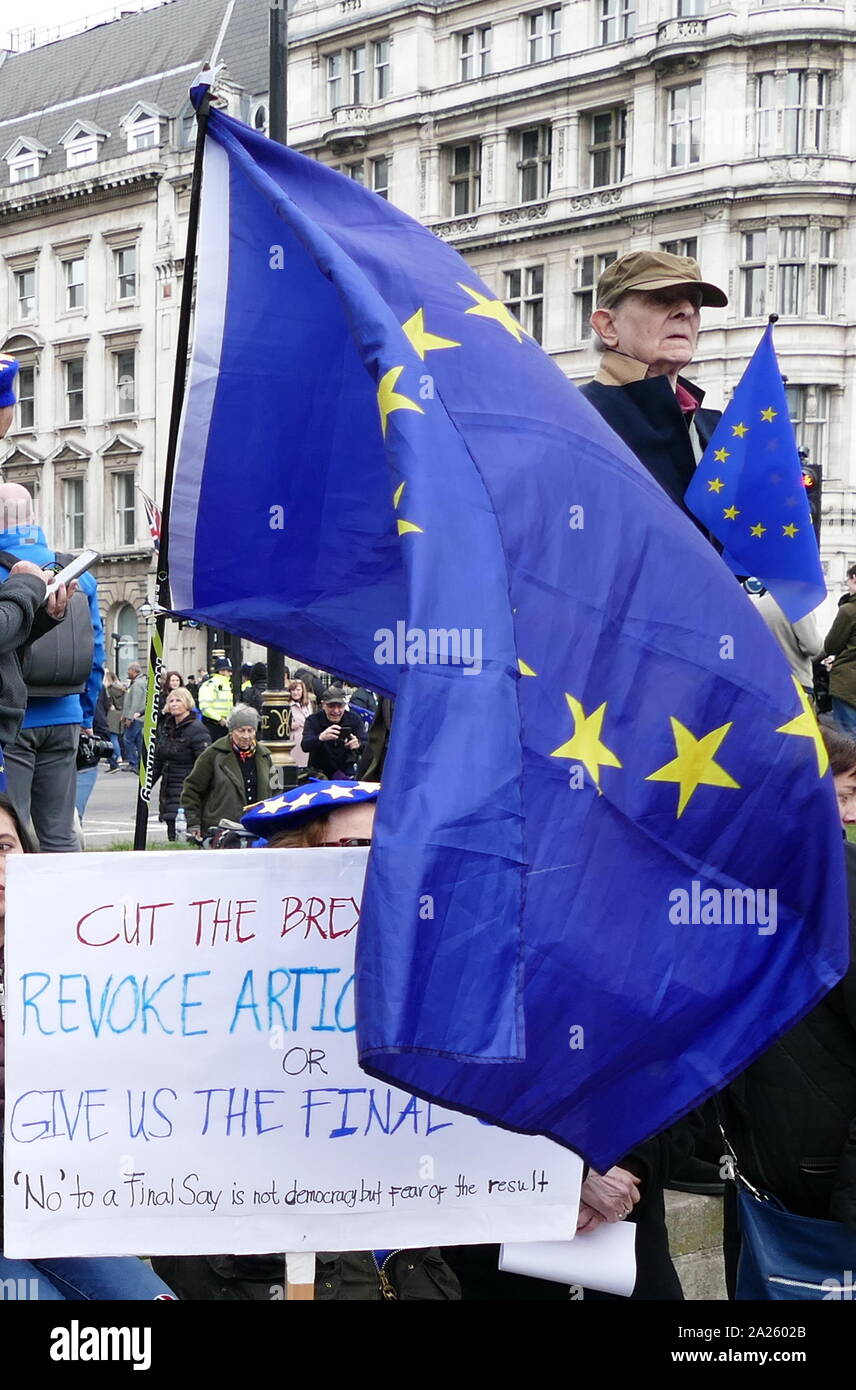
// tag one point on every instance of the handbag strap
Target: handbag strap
(739, 1177)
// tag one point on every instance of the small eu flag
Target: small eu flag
(577, 920)
(748, 490)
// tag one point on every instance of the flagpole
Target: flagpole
(277, 130)
(179, 383)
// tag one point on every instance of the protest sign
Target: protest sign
(182, 1074)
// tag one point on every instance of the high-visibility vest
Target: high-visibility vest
(215, 697)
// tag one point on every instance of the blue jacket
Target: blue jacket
(28, 543)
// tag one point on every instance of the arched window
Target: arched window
(125, 639)
(260, 118)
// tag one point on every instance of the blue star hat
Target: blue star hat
(300, 803)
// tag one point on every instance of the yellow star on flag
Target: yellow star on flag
(524, 669)
(694, 766)
(769, 414)
(805, 725)
(715, 485)
(757, 530)
(790, 530)
(731, 513)
(721, 455)
(404, 526)
(585, 745)
(389, 399)
(493, 309)
(420, 339)
(740, 430)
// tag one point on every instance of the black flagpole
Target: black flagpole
(179, 383)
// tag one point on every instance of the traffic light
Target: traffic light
(812, 478)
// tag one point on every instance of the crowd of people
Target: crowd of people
(787, 1124)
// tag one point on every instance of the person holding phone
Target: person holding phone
(333, 738)
(63, 680)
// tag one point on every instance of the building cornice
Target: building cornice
(79, 196)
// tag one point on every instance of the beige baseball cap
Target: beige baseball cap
(654, 270)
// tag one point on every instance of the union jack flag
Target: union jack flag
(153, 516)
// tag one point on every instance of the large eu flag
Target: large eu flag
(749, 493)
(607, 867)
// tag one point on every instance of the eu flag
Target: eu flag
(607, 867)
(748, 489)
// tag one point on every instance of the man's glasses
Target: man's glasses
(344, 844)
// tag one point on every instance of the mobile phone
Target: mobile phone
(79, 565)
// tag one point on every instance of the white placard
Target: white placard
(603, 1259)
(181, 1073)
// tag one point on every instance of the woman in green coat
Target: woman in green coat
(231, 774)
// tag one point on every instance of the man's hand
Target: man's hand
(352, 743)
(613, 1194)
(27, 567)
(329, 735)
(59, 600)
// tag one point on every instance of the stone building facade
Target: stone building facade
(96, 150)
(544, 140)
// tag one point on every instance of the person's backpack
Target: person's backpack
(59, 663)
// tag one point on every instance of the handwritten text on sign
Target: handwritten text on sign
(182, 1074)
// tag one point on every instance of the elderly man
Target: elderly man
(647, 319)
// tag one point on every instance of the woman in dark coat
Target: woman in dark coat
(181, 738)
(791, 1116)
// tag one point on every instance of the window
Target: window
(26, 166)
(125, 380)
(591, 269)
(465, 178)
(826, 272)
(25, 293)
(808, 407)
(125, 639)
(617, 20)
(187, 134)
(684, 126)
(356, 171)
(765, 113)
(334, 80)
(380, 63)
(543, 29)
(357, 75)
(125, 502)
(75, 284)
(143, 133)
(524, 298)
(797, 103)
(534, 163)
(753, 271)
(260, 119)
(126, 272)
(474, 52)
(83, 150)
(792, 259)
(73, 389)
(27, 398)
(380, 175)
(682, 246)
(72, 499)
(688, 9)
(607, 146)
